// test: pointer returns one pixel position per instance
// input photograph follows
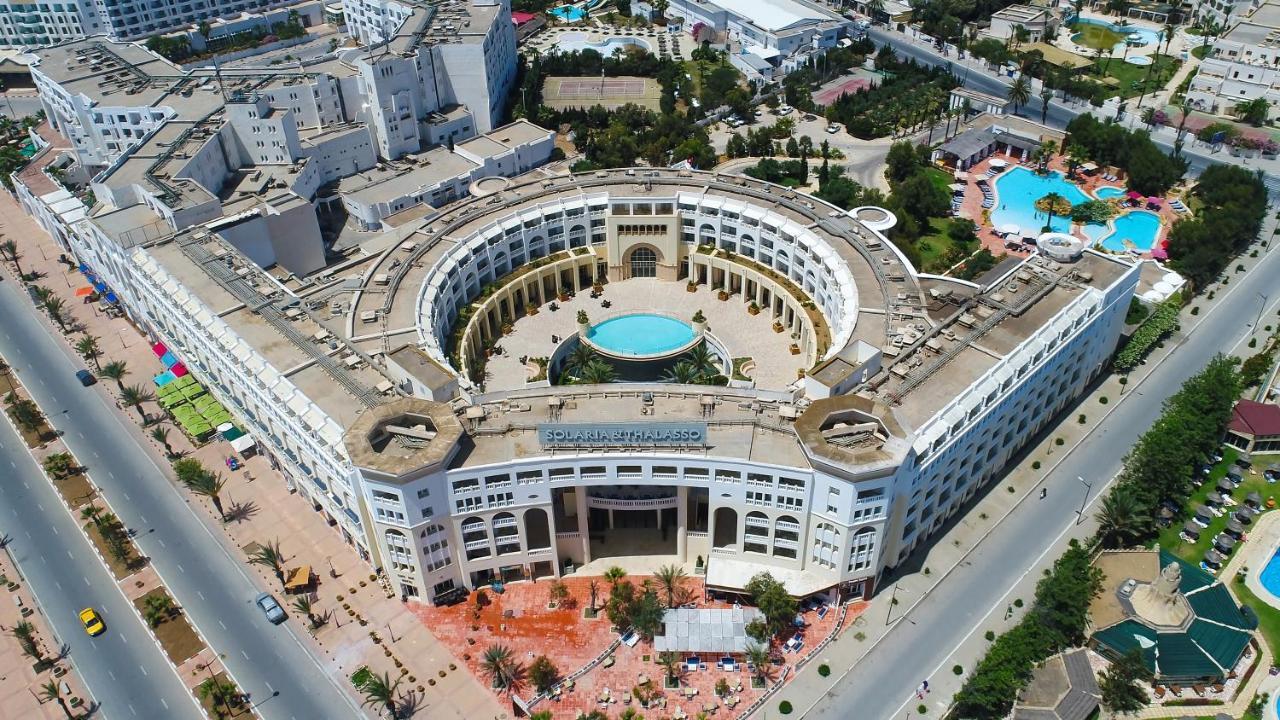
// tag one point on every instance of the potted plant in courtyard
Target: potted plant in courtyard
(777, 326)
(584, 323)
(753, 308)
(699, 323)
(691, 286)
(530, 309)
(723, 295)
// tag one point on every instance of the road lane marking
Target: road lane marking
(54, 529)
(224, 627)
(143, 669)
(113, 675)
(269, 688)
(95, 454)
(135, 712)
(165, 704)
(80, 434)
(73, 557)
(124, 639)
(86, 581)
(245, 654)
(111, 475)
(41, 506)
(57, 584)
(160, 541)
(200, 594)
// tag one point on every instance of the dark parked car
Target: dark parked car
(270, 608)
(85, 377)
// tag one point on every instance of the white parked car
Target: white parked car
(833, 128)
(784, 109)
(759, 113)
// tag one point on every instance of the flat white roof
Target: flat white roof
(776, 14)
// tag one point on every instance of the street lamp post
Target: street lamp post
(893, 600)
(1088, 487)
(1261, 306)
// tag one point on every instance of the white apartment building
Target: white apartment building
(1225, 12)
(33, 24)
(1242, 65)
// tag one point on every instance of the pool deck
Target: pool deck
(972, 208)
(590, 31)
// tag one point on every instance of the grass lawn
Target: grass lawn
(934, 245)
(1129, 78)
(1095, 36)
(940, 178)
(175, 634)
(1201, 51)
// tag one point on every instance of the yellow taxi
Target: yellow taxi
(92, 622)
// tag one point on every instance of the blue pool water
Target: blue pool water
(1147, 37)
(1270, 577)
(1139, 227)
(569, 13)
(641, 335)
(577, 42)
(1017, 192)
(1109, 191)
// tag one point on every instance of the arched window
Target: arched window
(826, 544)
(398, 551)
(644, 263)
(863, 549)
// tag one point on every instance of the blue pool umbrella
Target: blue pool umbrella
(169, 359)
(111, 298)
(84, 268)
(100, 287)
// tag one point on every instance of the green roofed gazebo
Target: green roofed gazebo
(1185, 623)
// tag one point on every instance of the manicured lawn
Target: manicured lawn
(934, 245)
(1201, 51)
(1268, 617)
(1194, 552)
(940, 178)
(1130, 77)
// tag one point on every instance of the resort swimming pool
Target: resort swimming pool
(1142, 36)
(1016, 193)
(1108, 191)
(1270, 576)
(577, 42)
(1134, 230)
(640, 335)
(569, 13)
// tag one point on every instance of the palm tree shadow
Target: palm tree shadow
(64, 652)
(241, 511)
(409, 704)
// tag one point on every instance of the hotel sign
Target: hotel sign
(612, 434)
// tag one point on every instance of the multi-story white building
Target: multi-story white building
(1224, 12)
(31, 24)
(1243, 65)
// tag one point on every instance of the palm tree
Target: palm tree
(51, 691)
(25, 413)
(500, 666)
(382, 691)
(156, 609)
(1253, 112)
(683, 373)
(757, 655)
(613, 576)
(579, 358)
(671, 578)
(1020, 92)
(1119, 519)
(135, 395)
(704, 361)
(161, 435)
(216, 691)
(88, 348)
(671, 665)
(1076, 156)
(92, 513)
(115, 370)
(210, 485)
(269, 556)
(1050, 202)
(25, 632)
(598, 372)
(304, 606)
(57, 309)
(10, 249)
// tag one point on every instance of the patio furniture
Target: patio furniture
(690, 692)
(1159, 691)
(710, 707)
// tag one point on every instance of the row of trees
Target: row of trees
(115, 536)
(1233, 204)
(1160, 467)
(911, 96)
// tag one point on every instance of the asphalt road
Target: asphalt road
(888, 675)
(1198, 156)
(267, 661)
(124, 671)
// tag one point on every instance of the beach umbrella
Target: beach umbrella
(1226, 486)
(1224, 542)
(1245, 514)
(1191, 528)
(1010, 229)
(1214, 498)
(1202, 511)
(1212, 557)
(1253, 499)
(1234, 527)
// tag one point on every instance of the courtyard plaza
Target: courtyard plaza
(520, 619)
(740, 333)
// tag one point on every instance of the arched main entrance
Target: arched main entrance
(644, 263)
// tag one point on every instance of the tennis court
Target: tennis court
(828, 93)
(610, 92)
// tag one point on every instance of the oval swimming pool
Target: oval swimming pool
(640, 335)
(1108, 191)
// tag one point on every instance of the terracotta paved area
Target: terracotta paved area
(520, 620)
(271, 512)
(972, 206)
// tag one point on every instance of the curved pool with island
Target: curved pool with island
(577, 42)
(1018, 190)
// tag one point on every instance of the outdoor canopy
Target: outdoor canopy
(1214, 498)
(1191, 528)
(84, 291)
(1234, 527)
(1226, 542)
(1253, 498)
(1226, 486)
(1213, 557)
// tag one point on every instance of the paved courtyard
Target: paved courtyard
(519, 619)
(741, 333)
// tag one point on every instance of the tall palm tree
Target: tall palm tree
(135, 395)
(598, 372)
(671, 665)
(210, 485)
(1253, 112)
(161, 435)
(703, 360)
(216, 691)
(500, 666)
(92, 513)
(304, 606)
(25, 413)
(25, 633)
(268, 555)
(115, 370)
(1020, 92)
(683, 373)
(1120, 522)
(613, 576)
(757, 655)
(88, 348)
(57, 309)
(671, 579)
(1050, 202)
(10, 249)
(579, 357)
(51, 691)
(382, 691)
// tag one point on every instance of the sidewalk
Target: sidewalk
(269, 512)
